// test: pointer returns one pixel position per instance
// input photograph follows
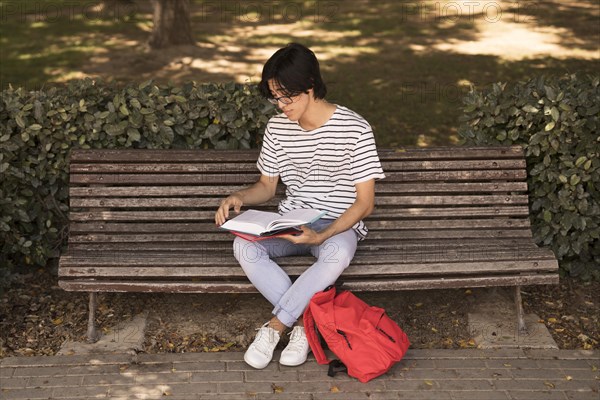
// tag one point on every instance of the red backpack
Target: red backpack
(365, 339)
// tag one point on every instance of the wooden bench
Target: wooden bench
(143, 221)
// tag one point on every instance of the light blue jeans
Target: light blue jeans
(291, 298)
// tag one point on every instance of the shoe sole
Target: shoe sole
(254, 366)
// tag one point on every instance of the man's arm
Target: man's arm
(362, 208)
(260, 192)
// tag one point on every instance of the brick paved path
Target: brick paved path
(422, 374)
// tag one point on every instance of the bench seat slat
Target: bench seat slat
(140, 227)
(219, 261)
(378, 213)
(357, 269)
(366, 245)
(365, 285)
(203, 237)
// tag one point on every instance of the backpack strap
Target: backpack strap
(336, 366)
(310, 329)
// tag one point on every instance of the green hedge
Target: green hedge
(39, 129)
(557, 121)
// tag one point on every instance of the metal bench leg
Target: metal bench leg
(520, 317)
(92, 333)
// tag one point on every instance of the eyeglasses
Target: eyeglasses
(284, 99)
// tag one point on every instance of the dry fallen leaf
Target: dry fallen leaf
(468, 291)
(276, 389)
(434, 330)
(569, 377)
(428, 383)
(418, 305)
(552, 320)
(334, 389)
(550, 384)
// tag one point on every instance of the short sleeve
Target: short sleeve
(365, 163)
(267, 162)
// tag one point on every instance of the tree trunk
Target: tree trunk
(172, 24)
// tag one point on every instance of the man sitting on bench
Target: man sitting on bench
(325, 154)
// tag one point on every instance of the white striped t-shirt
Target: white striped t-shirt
(321, 166)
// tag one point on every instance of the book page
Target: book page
(251, 221)
(297, 217)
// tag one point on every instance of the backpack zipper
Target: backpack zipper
(386, 334)
(345, 337)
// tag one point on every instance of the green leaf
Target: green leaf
(530, 109)
(563, 178)
(554, 113)
(5, 138)
(547, 216)
(549, 126)
(580, 161)
(35, 127)
(575, 179)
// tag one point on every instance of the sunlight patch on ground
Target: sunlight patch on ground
(514, 41)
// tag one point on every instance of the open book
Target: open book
(263, 223)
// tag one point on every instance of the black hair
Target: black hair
(296, 70)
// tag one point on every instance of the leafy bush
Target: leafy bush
(556, 120)
(39, 129)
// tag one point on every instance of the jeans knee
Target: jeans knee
(247, 253)
(332, 254)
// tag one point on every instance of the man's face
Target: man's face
(296, 108)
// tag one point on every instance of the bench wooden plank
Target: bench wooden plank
(196, 202)
(367, 286)
(407, 188)
(142, 227)
(219, 156)
(230, 167)
(365, 245)
(241, 178)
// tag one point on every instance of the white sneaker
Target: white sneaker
(296, 352)
(260, 352)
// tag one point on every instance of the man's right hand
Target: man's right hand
(234, 200)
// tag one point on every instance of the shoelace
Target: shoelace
(297, 340)
(264, 343)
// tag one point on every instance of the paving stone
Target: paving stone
(250, 387)
(453, 364)
(420, 395)
(26, 393)
(242, 366)
(107, 379)
(413, 385)
(57, 381)
(478, 395)
(289, 375)
(79, 392)
(14, 383)
(96, 369)
(310, 376)
(512, 364)
(563, 354)
(198, 366)
(541, 374)
(217, 376)
(6, 372)
(173, 377)
(40, 371)
(465, 384)
(581, 395)
(282, 396)
(572, 364)
(537, 395)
